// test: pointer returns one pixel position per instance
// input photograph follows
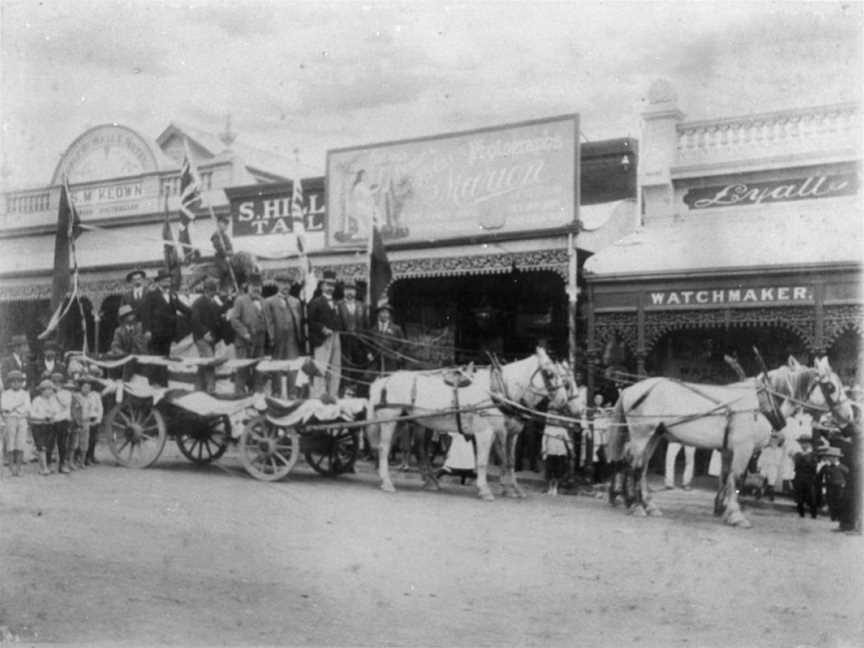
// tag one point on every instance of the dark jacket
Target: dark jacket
(129, 300)
(387, 348)
(128, 341)
(158, 316)
(9, 364)
(319, 315)
(354, 347)
(206, 317)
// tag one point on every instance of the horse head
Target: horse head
(557, 383)
(815, 388)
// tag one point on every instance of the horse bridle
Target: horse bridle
(823, 383)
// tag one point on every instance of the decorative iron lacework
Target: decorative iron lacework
(606, 325)
(554, 260)
(838, 319)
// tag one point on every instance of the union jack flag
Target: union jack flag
(190, 198)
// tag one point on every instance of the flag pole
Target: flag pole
(74, 257)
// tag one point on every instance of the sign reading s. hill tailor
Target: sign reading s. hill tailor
(263, 216)
(512, 178)
(777, 295)
(757, 193)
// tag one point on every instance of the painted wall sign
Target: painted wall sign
(731, 296)
(103, 152)
(265, 224)
(519, 177)
(757, 193)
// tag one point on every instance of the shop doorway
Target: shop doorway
(465, 317)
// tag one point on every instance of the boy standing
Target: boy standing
(43, 413)
(833, 477)
(15, 404)
(87, 415)
(62, 421)
(556, 451)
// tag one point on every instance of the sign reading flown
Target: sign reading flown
(778, 295)
(506, 179)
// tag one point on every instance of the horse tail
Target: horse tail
(618, 434)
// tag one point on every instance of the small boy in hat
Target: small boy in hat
(833, 477)
(87, 414)
(44, 410)
(62, 421)
(15, 405)
(49, 362)
(806, 483)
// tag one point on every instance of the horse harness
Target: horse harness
(517, 409)
(454, 379)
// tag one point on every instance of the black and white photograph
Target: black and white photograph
(431, 324)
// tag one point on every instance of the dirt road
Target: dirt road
(185, 556)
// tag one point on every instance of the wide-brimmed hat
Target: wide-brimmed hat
(15, 374)
(163, 274)
(56, 375)
(349, 283)
(18, 340)
(328, 277)
(46, 384)
(132, 274)
(384, 306)
(832, 451)
(89, 379)
(125, 310)
(211, 283)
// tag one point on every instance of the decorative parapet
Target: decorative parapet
(822, 130)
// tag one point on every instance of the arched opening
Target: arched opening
(846, 356)
(463, 317)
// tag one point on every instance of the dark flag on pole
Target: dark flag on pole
(379, 271)
(65, 260)
(170, 250)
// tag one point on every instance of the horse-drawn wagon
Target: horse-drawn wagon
(205, 406)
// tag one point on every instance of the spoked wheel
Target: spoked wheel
(136, 434)
(268, 452)
(333, 452)
(201, 440)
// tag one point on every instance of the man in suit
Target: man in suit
(283, 316)
(324, 327)
(128, 336)
(49, 363)
(206, 319)
(247, 320)
(159, 315)
(355, 322)
(134, 297)
(17, 360)
(387, 343)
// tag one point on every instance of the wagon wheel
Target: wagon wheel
(203, 440)
(333, 452)
(136, 434)
(268, 452)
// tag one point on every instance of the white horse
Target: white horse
(521, 384)
(734, 418)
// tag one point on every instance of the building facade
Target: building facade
(120, 183)
(751, 236)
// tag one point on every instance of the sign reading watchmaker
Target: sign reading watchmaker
(758, 296)
(757, 193)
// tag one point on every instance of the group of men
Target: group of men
(347, 351)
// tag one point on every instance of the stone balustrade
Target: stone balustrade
(828, 129)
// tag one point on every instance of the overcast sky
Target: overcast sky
(326, 75)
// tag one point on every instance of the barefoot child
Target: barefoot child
(15, 404)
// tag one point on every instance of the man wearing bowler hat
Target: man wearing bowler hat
(283, 314)
(324, 327)
(159, 313)
(18, 358)
(355, 322)
(387, 342)
(137, 290)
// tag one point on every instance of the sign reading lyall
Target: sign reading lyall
(505, 179)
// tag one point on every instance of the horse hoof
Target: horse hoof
(431, 486)
(487, 497)
(521, 494)
(653, 511)
(637, 511)
(512, 494)
(737, 519)
(388, 488)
